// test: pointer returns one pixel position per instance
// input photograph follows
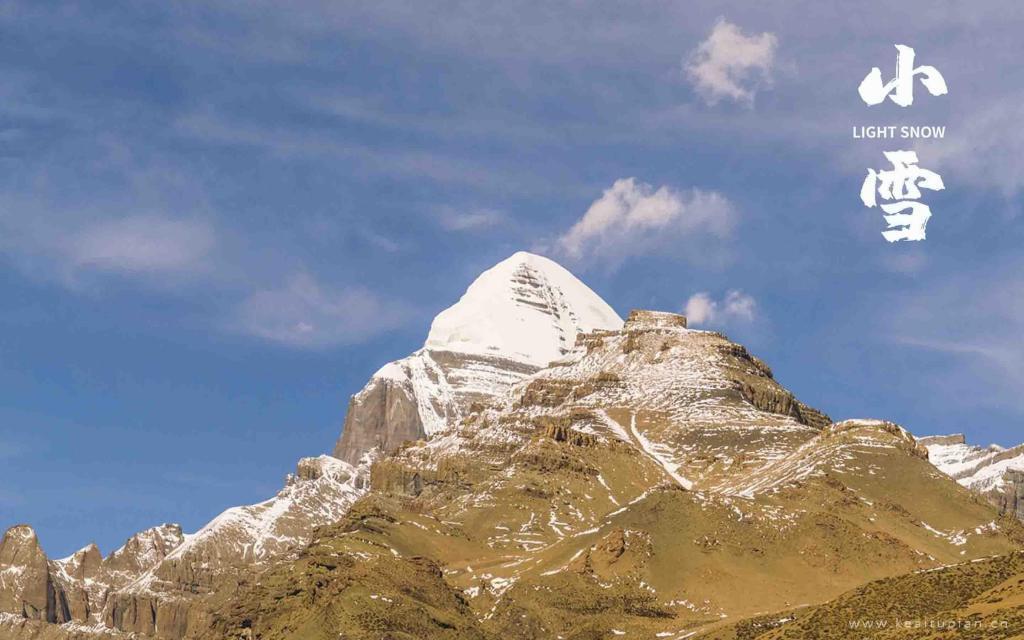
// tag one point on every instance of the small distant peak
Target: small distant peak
(20, 533)
(84, 563)
(167, 527)
(87, 550)
(526, 256)
(535, 261)
(641, 318)
(20, 546)
(523, 256)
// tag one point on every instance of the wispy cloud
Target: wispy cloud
(292, 142)
(144, 243)
(184, 256)
(633, 218)
(976, 321)
(305, 313)
(731, 64)
(985, 150)
(454, 219)
(69, 247)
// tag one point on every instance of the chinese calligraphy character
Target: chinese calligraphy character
(901, 88)
(903, 184)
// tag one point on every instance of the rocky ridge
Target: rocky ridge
(74, 588)
(152, 583)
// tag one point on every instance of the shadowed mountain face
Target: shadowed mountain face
(539, 470)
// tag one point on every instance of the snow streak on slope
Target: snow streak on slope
(659, 453)
(321, 493)
(831, 451)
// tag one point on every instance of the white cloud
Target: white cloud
(700, 308)
(475, 219)
(633, 218)
(304, 313)
(736, 306)
(731, 64)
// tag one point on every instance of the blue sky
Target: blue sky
(217, 221)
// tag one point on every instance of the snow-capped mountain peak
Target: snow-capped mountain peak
(514, 319)
(526, 308)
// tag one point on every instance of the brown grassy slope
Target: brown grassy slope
(345, 586)
(541, 548)
(977, 600)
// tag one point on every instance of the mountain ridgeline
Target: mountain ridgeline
(543, 469)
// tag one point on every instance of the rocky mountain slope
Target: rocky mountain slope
(152, 583)
(540, 469)
(645, 485)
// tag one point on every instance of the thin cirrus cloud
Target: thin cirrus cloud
(984, 152)
(730, 64)
(452, 219)
(153, 251)
(633, 218)
(152, 247)
(144, 244)
(975, 320)
(735, 307)
(305, 313)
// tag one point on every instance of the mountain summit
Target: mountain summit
(514, 319)
(525, 308)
